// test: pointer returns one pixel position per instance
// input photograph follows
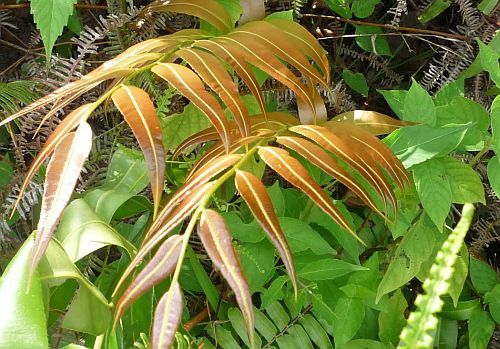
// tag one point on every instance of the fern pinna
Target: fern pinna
(190, 61)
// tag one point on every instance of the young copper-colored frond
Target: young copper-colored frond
(190, 85)
(377, 150)
(257, 54)
(259, 202)
(316, 116)
(236, 61)
(216, 239)
(217, 150)
(353, 154)
(317, 156)
(215, 75)
(167, 318)
(208, 10)
(283, 46)
(207, 135)
(68, 123)
(306, 42)
(296, 174)
(158, 268)
(62, 174)
(185, 208)
(140, 113)
(372, 122)
(200, 177)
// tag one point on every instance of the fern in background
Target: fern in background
(16, 93)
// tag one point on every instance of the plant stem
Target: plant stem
(26, 4)
(388, 26)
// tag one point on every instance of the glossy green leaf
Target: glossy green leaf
(258, 263)
(495, 123)
(415, 144)
(483, 276)
(326, 269)
(363, 8)
(396, 100)
(466, 186)
(462, 311)
(274, 292)
(487, 6)
(461, 110)
(301, 237)
(340, 7)
(457, 280)
(356, 81)
(82, 232)
(449, 91)
(413, 250)
(316, 332)
(419, 106)
(369, 41)
(494, 174)
(433, 189)
(392, 320)
(447, 333)
(127, 172)
(22, 325)
(434, 10)
(481, 327)
(492, 298)
(489, 60)
(348, 317)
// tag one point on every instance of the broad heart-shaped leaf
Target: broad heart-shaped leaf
(167, 318)
(291, 169)
(127, 172)
(356, 81)
(157, 269)
(396, 100)
(317, 156)
(210, 10)
(23, 323)
(433, 189)
(190, 85)
(140, 113)
(373, 122)
(214, 73)
(62, 174)
(483, 276)
(81, 232)
(51, 16)
(392, 321)
(217, 242)
(415, 144)
(259, 202)
(69, 122)
(348, 317)
(379, 45)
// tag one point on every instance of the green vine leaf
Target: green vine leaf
(51, 16)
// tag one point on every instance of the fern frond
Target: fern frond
(422, 322)
(15, 94)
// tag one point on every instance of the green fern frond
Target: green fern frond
(15, 94)
(418, 333)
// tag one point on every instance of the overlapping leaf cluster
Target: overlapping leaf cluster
(207, 69)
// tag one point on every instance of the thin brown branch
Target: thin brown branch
(390, 27)
(19, 48)
(78, 6)
(202, 315)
